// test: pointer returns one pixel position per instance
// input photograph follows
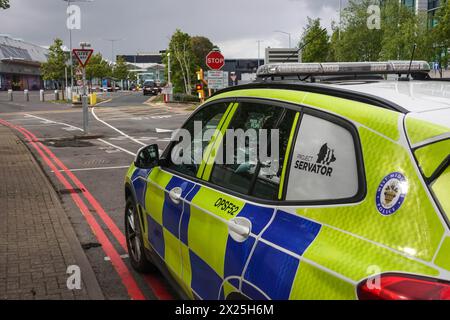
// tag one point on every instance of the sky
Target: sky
(146, 25)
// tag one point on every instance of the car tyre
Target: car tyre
(135, 243)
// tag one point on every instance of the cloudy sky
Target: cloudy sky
(146, 25)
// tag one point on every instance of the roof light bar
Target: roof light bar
(342, 68)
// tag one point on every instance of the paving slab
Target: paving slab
(37, 241)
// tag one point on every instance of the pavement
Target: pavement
(87, 172)
(37, 241)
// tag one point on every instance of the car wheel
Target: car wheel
(135, 244)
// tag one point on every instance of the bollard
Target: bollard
(56, 95)
(26, 95)
(10, 95)
(41, 95)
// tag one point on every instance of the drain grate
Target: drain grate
(70, 191)
(87, 246)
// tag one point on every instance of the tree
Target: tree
(401, 30)
(317, 42)
(97, 68)
(442, 33)
(357, 41)
(182, 61)
(120, 70)
(201, 46)
(54, 68)
(4, 4)
(334, 43)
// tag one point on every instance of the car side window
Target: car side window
(267, 184)
(324, 162)
(198, 126)
(238, 166)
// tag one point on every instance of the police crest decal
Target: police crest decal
(391, 193)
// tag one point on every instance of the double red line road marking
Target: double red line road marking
(135, 293)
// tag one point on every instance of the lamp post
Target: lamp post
(259, 51)
(69, 2)
(169, 76)
(112, 47)
(286, 33)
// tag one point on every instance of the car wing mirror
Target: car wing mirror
(147, 157)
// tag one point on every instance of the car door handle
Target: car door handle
(175, 195)
(239, 229)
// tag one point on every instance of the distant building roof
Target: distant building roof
(143, 58)
(15, 49)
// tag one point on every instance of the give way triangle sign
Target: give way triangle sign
(83, 55)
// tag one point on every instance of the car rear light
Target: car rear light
(403, 287)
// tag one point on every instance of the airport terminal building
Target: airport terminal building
(20, 63)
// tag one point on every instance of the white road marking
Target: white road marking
(123, 256)
(76, 128)
(70, 129)
(147, 138)
(93, 169)
(51, 121)
(161, 117)
(117, 147)
(163, 130)
(117, 130)
(121, 138)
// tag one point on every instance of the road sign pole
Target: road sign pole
(84, 100)
(83, 55)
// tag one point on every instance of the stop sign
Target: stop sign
(215, 60)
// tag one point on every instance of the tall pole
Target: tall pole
(169, 71)
(340, 18)
(112, 48)
(84, 96)
(85, 104)
(71, 57)
(169, 76)
(288, 34)
(259, 51)
(69, 2)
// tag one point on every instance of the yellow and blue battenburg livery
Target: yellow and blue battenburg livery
(379, 217)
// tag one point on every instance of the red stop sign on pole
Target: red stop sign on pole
(215, 60)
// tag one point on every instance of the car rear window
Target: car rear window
(441, 190)
(431, 156)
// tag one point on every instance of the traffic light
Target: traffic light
(200, 75)
(200, 91)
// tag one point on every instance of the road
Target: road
(99, 161)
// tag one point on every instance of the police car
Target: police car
(358, 207)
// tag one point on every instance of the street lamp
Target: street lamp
(69, 2)
(259, 50)
(169, 71)
(286, 33)
(112, 47)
